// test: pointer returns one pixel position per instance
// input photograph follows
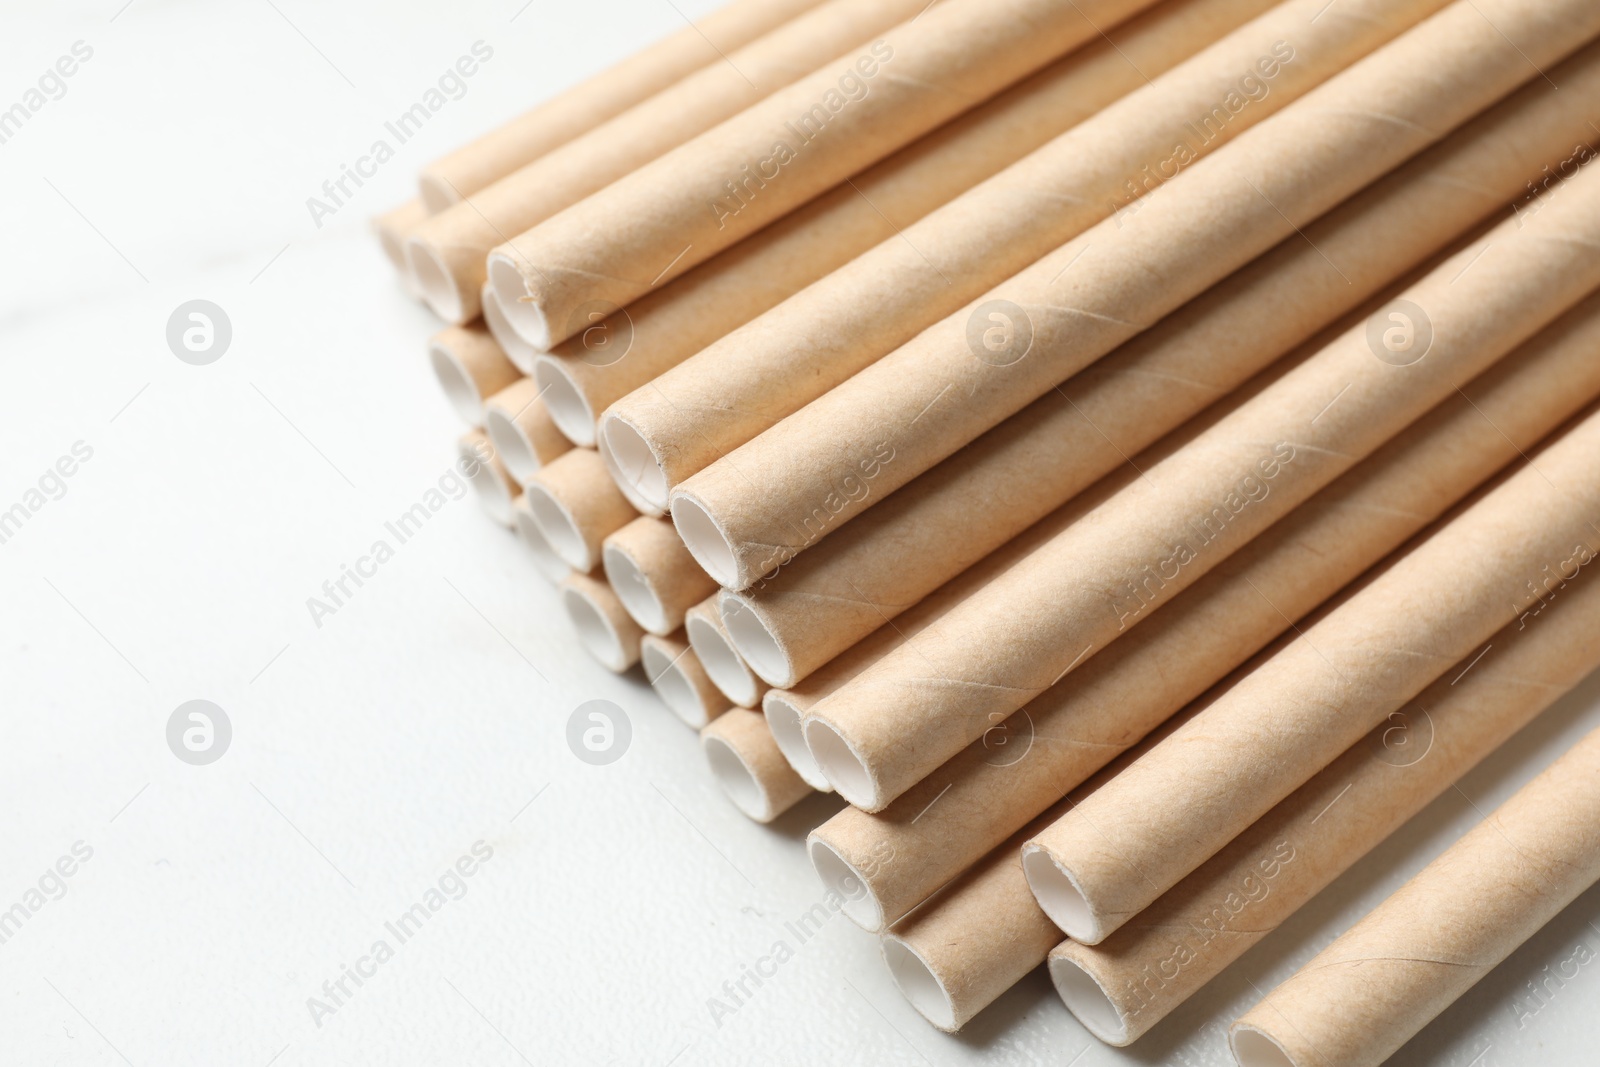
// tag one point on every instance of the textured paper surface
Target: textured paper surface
(1077, 726)
(665, 568)
(602, 97)
(792, 485)
(1370, 991)
(834, 595)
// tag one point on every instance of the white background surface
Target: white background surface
(428, 713)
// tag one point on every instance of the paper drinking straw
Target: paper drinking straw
(604, 630)
(671, 324)
(654, 575)
(446, 252)
(392, 228)
(550, 565)
(713, 191)
(1226, 617)
(1186, 514)
(519, 352)
(727, 671)
(1415, 954)
(520, 427)
(744, 384)
(487, 475)
(748, 766)
(805, 477)
(831, 596)
(677, 677)
(576, 506)
(470, 368)
(603, 96)
(1113, 855)
(1123, 986)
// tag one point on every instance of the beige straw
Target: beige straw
(1123, 986)
(604, 630)
(814, 471)
(739, 387)
(679, 680)
(654, 574)
(447, 252)
(1415, 954)
(833, 595)
(521, 354)
(1136, 838)
(727, 671)
(749, 767)
(602, 97)
(982, 795)
(671, 324)
(1191, 511)
(495, 488)
(470, 367)
(712, 192)
(392, 228)
(577, 506)
(519, 424)
(545, 559)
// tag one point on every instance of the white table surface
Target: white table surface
(428, 713)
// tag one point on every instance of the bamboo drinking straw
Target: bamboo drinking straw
(446, 252)
(602, 97)
(1022, 633)
(576, 506)
(487, 475)
(519, 425)
(749, 767)
(653, 574)
(519, 352)
(677, 677)
(678, 211)
(832, 596)
(470, 368)
(550, 565)
(1123, 986)
(1186, 799)
(604, 630)
(742, 385)
(972, 802)
(769, 499)
(1414, 955)
(674, 322)
(722, 664)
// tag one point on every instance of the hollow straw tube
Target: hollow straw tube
(1119, 695)
(727, 671)
(550, 565)
(830, 597)
(653, 573)
(1358, 1000)
(599, 98)
(470, 367)
(1186, 514)
(495, 488)
(747, 765)
(587, 373)
(807, 476)
(744, 384)
(1123, 986)
(1184, 801)
(520, 427)
(447, 252)
(679, 680)
(663, 219)
(604, 630)
(576, 506)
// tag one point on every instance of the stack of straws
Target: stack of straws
(1138, 454)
